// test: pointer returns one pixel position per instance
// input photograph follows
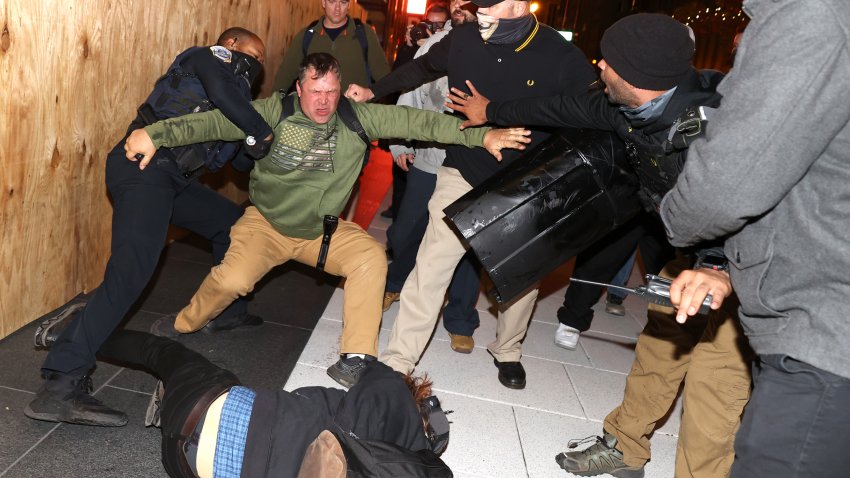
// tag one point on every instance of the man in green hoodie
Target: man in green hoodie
(308, 175)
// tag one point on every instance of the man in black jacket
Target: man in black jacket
(651, 86)
(209, 419)
(509, 55)
(144, 204)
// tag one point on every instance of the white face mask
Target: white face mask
(487, 25)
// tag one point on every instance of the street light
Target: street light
(416, 7)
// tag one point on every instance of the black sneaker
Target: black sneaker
(600, 457)
(52, 327)
(66, 398)
(222, 324)
(614, 305)
(346, 371)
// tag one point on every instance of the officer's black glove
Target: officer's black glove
(257, 148)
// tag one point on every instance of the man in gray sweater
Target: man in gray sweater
(773, 176)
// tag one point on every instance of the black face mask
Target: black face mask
(247, 66)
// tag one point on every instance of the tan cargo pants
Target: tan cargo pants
(714, 355)
(256, 247)
(423, 292)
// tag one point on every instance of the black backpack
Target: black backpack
(381, 459)
(345, 112)
(359, 32)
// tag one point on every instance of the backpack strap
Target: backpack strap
(349, 118)
(288, 103)
(360, 33)
(346, 114)
(308, 37)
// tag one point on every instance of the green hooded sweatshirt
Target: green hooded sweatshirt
(311, 168)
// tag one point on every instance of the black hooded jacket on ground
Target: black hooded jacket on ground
(283, 424)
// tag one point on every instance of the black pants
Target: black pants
(144, 203)
(187, 376)
(601, 261)
(797, 423)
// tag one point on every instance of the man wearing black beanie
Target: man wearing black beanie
(652, 99)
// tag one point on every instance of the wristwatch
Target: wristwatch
(717, 263)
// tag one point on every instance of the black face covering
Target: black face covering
(505, 31)
(247, 66)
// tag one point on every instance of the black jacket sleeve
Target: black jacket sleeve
(221, 86)
(587, 110)
(427, 67)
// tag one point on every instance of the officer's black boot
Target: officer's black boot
(66, 398)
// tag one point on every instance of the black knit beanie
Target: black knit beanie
(651, 51)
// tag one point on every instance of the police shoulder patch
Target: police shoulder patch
(221, 53)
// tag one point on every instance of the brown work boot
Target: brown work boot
(462, 343)
(389, 298)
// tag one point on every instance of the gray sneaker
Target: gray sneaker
(51, 328)
(152, 414)
(600, 457)
(346, 371)
(65, 398)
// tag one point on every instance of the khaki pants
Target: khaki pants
(423, 292)
(256, 247)
(715, 356)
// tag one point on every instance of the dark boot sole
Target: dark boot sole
(621, 473)
(58, 418)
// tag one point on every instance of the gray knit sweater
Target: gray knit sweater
(773, 176)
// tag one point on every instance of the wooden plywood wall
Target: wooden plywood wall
(72, 75)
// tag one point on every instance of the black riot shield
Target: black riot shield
(546, 207)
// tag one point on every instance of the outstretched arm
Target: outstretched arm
(587, 110)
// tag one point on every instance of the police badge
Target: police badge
(221, 53)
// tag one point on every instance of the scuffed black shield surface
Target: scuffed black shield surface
(546, 207)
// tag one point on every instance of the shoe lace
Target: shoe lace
(85, 385)
(83, 391)
(353, 364)
(599, 446)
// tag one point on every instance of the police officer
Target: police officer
(144, 203)
(651, 99)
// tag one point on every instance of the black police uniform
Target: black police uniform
(146, 202)
(656, 169)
